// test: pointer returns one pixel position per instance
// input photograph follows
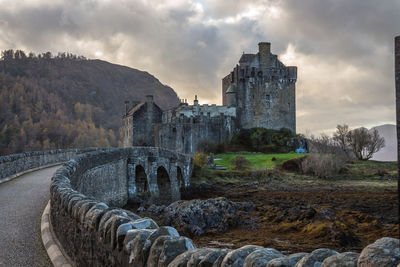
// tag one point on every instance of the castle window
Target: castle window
(268, 104)
(268, 97)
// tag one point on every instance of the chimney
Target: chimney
(195, 102)
(264, 51)
(126, 107)
(149, 98)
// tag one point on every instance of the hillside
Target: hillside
(68, 101)
(389, 152)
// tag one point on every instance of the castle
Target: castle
(258, 92)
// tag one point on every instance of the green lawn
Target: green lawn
(259, 161)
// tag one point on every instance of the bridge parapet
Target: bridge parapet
(12, 165)
(86, 194)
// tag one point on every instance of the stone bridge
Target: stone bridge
(134, 174)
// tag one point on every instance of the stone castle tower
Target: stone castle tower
(263, 91)
(259, 92)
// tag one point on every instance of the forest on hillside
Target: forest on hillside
(65, 101)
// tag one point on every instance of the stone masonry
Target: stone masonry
(259, 92)
(263, 91)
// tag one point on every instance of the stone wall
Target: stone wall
(18, 163)
(138, 124)
(186, 134)
(95, 233)
(87, 190)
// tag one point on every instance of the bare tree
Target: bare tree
(364, 143)
(322, 144)
(340, 137)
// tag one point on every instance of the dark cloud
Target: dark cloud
(343, 49)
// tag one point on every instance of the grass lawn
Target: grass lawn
(259, 161)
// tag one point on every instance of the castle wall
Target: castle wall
(205, 110)
(138, 127)
(127, 131)
(186, 134)
(226, 81)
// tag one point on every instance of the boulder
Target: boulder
(197, 257)
(163, 230)
(173, 248)
(112, 232)
(346, 259)
(131, 235)
(384, 252)
(94, 214)
(260, 257)
(137, 224)
(156, 249)
(315, 258)
(236, 257)
(182, 259)
(145, 223)
(288, 261)
(212, 258)
(202, 216)
(136, 257)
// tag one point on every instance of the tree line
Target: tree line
(34, 115)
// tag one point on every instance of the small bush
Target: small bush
(322, 165)
(200, 160)
(240, 163)
(293, 165)
(273, 159)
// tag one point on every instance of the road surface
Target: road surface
(22, 202)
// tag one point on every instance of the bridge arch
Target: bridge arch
(141, 183)
(164, 185)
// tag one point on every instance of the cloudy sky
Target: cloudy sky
(343, 49)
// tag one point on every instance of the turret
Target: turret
(126, 107)
(149, 99)
(264, 51)
(292, 73)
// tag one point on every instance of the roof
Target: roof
(231, 89)
(136, 108)
(246, 58)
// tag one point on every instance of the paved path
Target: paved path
(22, 202)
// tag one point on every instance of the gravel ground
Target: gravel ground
(22, 202)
